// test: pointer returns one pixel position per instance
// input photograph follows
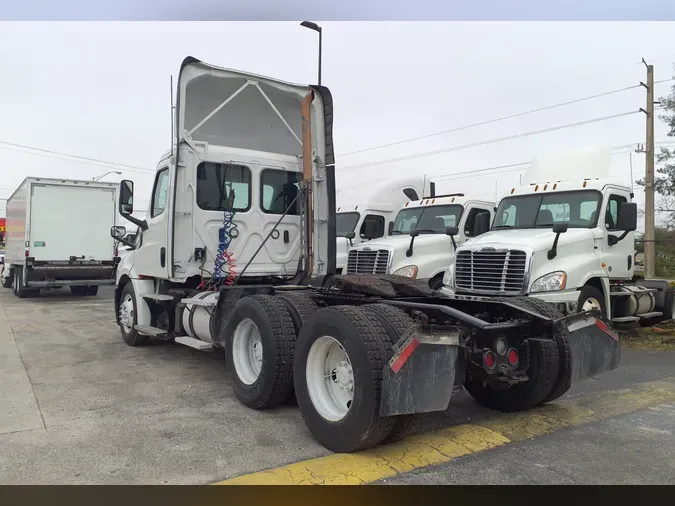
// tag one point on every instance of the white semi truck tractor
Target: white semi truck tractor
(237, 254)
(421, 240)
(372, 211)
(565, 237)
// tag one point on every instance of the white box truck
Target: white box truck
(58, 234)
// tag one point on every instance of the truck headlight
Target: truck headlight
(551, 282)
(409, 271)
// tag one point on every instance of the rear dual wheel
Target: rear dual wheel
(340, 355)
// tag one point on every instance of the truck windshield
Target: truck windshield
(345, 223)
(428, 219)
(577, 208)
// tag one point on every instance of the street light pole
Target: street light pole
(104, 175)
(316, 28)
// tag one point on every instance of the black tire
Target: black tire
(564, 380)
(589, 291)
(132, 338)
(8, 281)
(542, 372)
(19, 290)
(78, 290)
(300, 306)
(436, 283)
(369, 349)
(396, 322)
(277, 333)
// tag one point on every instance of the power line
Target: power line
(76, 158)
(502, 118)
(495, 120)
(489, 141)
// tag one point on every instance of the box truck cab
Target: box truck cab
(420, 240)
(566, 240)
(357, 215)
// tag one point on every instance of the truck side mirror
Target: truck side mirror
(628, 217)
(391, 228)
(118, 232)
(558, 228)
(413, 233)
(350, 236)
(481, 223)
(126, 202)
(452, 232)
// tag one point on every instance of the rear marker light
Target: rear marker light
(27, 253)
(489, 360)
(512, 357)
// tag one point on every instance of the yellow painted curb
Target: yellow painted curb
(444, 445)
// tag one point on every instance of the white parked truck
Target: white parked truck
(237, 253)
(565, 237)
(58, 235)
(420, 240)
(357, 217)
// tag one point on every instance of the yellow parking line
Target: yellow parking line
(444, 445)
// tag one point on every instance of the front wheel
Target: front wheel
(591, 299)
(339, 359)
(7, 281)
(127, 317)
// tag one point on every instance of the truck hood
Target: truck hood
(537, 239)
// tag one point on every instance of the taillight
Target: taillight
(27, 253)
(512, 357)
(489, 360)
(117, 252)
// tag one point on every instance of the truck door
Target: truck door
(153, 258)
(619, 258)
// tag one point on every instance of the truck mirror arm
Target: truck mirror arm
(127, 243)
(139, 223)
(413, 233)
(558, 228)
(613, 240)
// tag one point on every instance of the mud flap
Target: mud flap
(420, 376)
(594, 346)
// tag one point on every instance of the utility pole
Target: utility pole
(650, 246)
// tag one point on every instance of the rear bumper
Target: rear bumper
(47, 274)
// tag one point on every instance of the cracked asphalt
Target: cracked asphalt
(78, 406)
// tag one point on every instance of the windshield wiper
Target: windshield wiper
(427, 231)
(502, 226)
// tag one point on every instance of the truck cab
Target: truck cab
(228, 198)
(363, 219)
(565, 241)
(420, 240)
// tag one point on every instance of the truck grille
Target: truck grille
(367, 262)
(491, 271)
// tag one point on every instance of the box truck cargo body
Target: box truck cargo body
(58, 234)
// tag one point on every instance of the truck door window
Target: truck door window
(470, 219)
(379, 221)
(279, 188)
(223, 186)
(612, 214)
(159, 193)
